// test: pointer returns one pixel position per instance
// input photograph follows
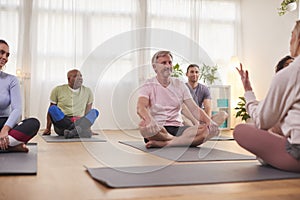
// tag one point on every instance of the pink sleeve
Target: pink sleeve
(186, 92)
(144, 91)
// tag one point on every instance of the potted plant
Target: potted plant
(208, 74)
(241, 110)
(287, 5)
(177, 71)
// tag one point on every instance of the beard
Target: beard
(77, 84)
(193, 80)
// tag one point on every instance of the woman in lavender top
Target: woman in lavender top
(14, 134)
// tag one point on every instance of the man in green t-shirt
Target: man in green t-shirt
(70, 108)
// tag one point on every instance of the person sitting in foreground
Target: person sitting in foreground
(283, 63)
(281, 105)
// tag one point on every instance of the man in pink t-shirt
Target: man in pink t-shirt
(159, 107)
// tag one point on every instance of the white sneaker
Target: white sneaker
(220, 117)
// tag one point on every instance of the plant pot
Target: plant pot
(291, 6)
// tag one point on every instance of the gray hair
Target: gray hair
(160, 54)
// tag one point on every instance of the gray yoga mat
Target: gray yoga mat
(222, 138)
(56, 138)
(187, 174)
(19, 163)
(189, 154)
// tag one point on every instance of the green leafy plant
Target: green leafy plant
(241, 109)
(284, 6)
(177, 71)
(208, 74)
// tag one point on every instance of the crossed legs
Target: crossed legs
(191, 136)
(64, 126)
(270, 147)
(19, 135)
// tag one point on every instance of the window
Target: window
(63, 34)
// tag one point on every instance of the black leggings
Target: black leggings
(23, 131)
(66, 123)
(62, 122)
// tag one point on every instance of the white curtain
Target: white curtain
(111, 42)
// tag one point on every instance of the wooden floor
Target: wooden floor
(62, 175)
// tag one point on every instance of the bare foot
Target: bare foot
(46, 132)
(162, 135)
(156, 144)
(220, 117)
(191, 137)
(18, 148)
(175, 142)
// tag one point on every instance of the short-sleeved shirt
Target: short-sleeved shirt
(165, 102)
(72, 103)
(199, 94)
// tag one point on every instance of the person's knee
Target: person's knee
(52, 108)
(239, 132)
(55, 113)
(92, 115)
(35, 123)
(95, 112)
(25, 130)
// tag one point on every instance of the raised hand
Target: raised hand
(245, 78)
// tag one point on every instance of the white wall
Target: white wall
(265, 40)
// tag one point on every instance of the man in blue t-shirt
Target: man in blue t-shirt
(199, 92)
(201, 96)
